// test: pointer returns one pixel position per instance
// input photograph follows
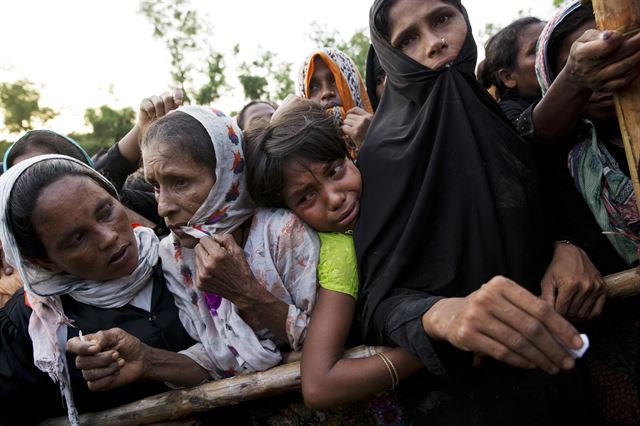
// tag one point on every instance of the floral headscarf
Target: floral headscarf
(228, 346)
(48, 322)
(605, 188)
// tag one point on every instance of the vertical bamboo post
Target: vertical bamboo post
(624, 16)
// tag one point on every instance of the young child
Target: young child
(299, 161)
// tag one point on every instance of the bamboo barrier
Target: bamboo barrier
(285, 378)
(624, 16)
(182, 403)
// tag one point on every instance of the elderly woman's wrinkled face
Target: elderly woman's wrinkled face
(180, 184)
(430, 32)
(85, 230)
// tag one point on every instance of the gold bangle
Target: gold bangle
(393, 373)
(393, 367)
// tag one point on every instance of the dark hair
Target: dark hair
(303, 130)
(183, 133)
(381, 19)
(25, 194)
(49, 141)
(502, 53)
(569, 24)
(241, 117)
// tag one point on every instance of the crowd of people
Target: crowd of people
(464, 219)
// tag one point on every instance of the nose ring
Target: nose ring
(444, 42)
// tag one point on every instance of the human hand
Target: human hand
(221, 268)
(155, 107)
(603, 61)
(572, 285)
(356, 124)
(109, 359)
(506, 322)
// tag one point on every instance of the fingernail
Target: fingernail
(554, 370)
(115, 355)
(606, 34)
(8, 271)
(568, 363)
(120, 362)
(577, 342)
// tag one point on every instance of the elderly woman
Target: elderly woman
(236, 302)
(84, 269)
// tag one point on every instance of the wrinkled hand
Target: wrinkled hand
(109, 359)
(572, 285)
(356, 124)
(221, 268)
(506, 322)
(604, 61)
(155, 107)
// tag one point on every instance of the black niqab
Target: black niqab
(449, 190)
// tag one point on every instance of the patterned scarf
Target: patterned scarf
(228, 346)
(605, 188)
(47, 324)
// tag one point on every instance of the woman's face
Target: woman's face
(601, 106)
(524, 73)
(322, 86)
(431, 32)
(257, 112)
(85, 231)
(324, 195)
(180, 184)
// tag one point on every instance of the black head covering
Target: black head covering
(449, 196)
(373, 69)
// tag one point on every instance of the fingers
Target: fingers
(548, 290)
(554, 326)
(228, 243)
(502, 353)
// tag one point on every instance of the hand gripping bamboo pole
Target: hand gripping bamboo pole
(624, 16)
(182, 403)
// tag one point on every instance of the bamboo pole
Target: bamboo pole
(182, 403)
(624, 16)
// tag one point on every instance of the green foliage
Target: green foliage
(186, 36)
(356, 47)
(20, 105)
(110, 124)
(266, 77)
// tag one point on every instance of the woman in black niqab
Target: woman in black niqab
(450, 201)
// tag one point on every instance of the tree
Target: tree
(266, 77)
(186, 37)
(20, 105)
(356, 47)
(110, 124)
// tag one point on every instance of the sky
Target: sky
(85, 53)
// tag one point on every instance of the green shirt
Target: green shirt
(337, 269)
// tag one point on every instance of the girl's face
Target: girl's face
(431, 32)
(180, 185)
(524, 73)
(324, 195)
(85, 231)
(322, 87)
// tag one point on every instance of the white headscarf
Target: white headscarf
(228, 345)
(47, 324)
